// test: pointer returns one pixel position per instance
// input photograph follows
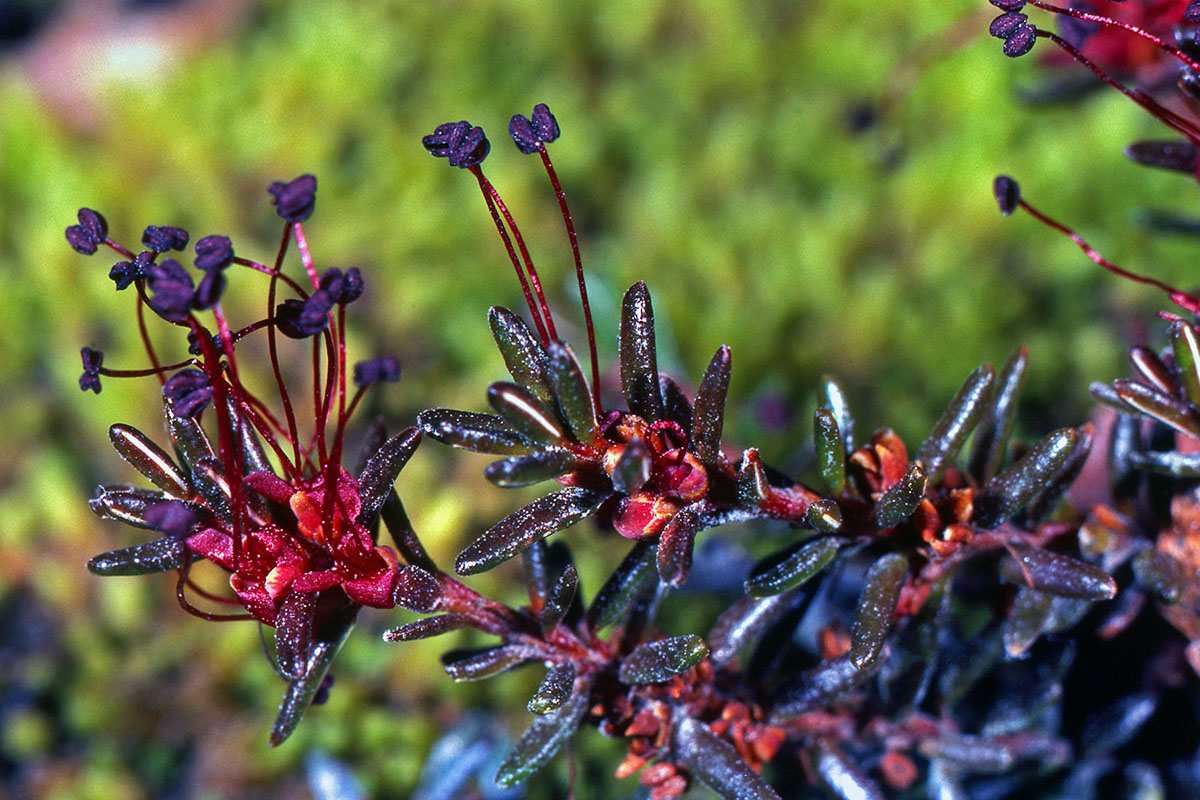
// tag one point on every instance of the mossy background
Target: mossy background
(707, 149)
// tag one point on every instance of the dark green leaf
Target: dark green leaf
(382, 470)
(543, 739)
(1026, 620)
(526, 412)
(831, 395)
(522, 528)
(559, 600)
(536, 569)
(831, 453)
(675, 547)
(125, 504)
(554, 690)
(823, 515)
(745, 622)
(481, 433)
(426, 628)
(1147, 362)
(1009, 492)
(301, 690)
(656, 662)
(523, 354)
(158, 555)
(876, 608)
(632, 469)
(795, 569)
(1178, 414)
(540, 465)
(1160, 574)
(635, 572)
(149, 459)
(1000, 416)
(639, 359)
(1186, 346)
(842, 776)
(752, 485)
(950, 432)
(475, 665)
(571, 388)
(900, 501)
(708, 415)
(1063, 576)
(821, 686)
(714, 761)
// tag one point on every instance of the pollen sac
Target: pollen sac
(1008, 5)
(208, 293)
(214, 252)
(124, 273)
(94, 223)
(294, 200)
(1192, 13)
(352, 286)
(1021, 41)
(377, 370)
(300, 319)
(172, 291)
(1006, 25)
(530, 134)
(90, 379)
(461, 143)
(1007, 193)
(161, 238)
(188, 391)
(172, 518)
(81, 241)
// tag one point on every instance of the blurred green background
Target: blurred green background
(808, 182)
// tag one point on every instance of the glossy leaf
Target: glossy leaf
(1000, 415)
(1167, 462)
(571, 389)
(525, 412)
(300, 691)
(1063, 576)
(426, 628)
(1169, 410)
(794, 570)
(831, 453)
(522, 528)
(560, 597)
(254, 453)
(823, 515)
(675, 547)
(523, 355)
(900, 501)
(535, 563)
(659, 661)
(752, 485)
(717, 764)
(405, 538)
(636, 571)
(1160, 574)
(210, 482)
(554, 690)
(842, 776)
(543, 739)
(821, 686)
(1009, 491)
(159, 555)
(1027, 619)
(149, 459)
(676, 406)
(1185, 344)
(632, 469)
(638, 355)
(293, 632)
(475, 665)
(481, 433)
(188, 438)
(125, 504)
(830, 395)
(950, 432)
(540, 465)
(708, 413)
(382, 469)
(1106, 395)
(417, 589)
(1177, 156)
(1045, 501)
(745, 622)
(876, 608)
(1152, 369)
(970, 754)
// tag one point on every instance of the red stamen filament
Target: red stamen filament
(583, 297)
(181, 596)
(273, 348)
(1166, 47)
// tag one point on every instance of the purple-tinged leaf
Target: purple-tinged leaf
(525, 412)
(417, 589)
(996, 425)
(188, 438)
(527, 362)
(571, 390)
(395, 518)
(970, 754)
(821, 686)
(824, 516)
(950, 432)
(635, 572)
(632, 469)
(876, 608)
(543, 739)
(540, 465)
(708, 414)
(535, 562)
(209, 479)
(717, 764)
(534, 522)
(842, 776)
(159, 555)
(301, 690)
(1151, 367)
(294, 632)
(149, 459)
(559, 599)
(676, 406)
(1178, 414)
(426, 628)
(1177, 156)
(1047, 499)
(480, 433)
(1063, 576)
(794, 570)
(675, 547)
(475, 665)
(1185, 344)
(254, 454)
(638, 356)
(744, 623)
(1161, 575)
(900, 501)
(659, 661)
(1106, 395)
(830, 395)
(382, 470)
(125, 504)
(752, 485)
(1009, 491)
(554, 690)
(1027, 619)
(831, 455)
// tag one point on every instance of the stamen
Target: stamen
(305, 256)
(143, 373)
(1166, 47)
(273, 348)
